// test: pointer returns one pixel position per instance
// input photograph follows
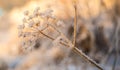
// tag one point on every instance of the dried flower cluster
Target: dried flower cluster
(36, 25)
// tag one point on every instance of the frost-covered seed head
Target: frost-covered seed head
(24, 20)
(31, 23)
(36, 12)
(37, 9)
(52, 16)
(49, 11)
(26, 34)
(20, 33)
(21, 26)
(42, 15)
(37, 21)
(23, 44)
(30, 17)
(26, 13)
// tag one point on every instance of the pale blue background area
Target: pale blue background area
(1, 12)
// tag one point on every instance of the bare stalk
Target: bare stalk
(46, 35)
(75, 24)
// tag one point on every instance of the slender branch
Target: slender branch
(46, 35)
(75, 25)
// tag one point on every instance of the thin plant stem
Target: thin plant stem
(80, 53)
(59, 32)
(76, 50)
(46, 35)
(75, 25)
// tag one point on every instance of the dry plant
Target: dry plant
(38, 24)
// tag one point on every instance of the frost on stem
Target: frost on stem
(57, 41)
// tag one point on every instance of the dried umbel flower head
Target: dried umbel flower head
(35, 24)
